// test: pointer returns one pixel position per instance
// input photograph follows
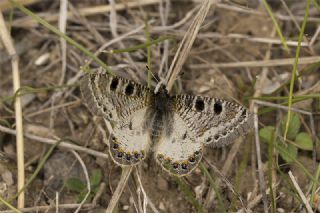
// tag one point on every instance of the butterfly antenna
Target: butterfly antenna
(159, 81)
(152, 73)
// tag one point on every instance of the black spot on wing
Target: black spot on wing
(217, 107)
(129, 89)
(114, 84)
(199, 104)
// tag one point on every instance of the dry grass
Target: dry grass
(231, 51)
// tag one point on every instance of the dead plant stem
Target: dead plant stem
(7, 41)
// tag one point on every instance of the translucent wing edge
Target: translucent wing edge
(169, 166)
(241, 129)
(222, 134)
(120, 157)
(87, 94)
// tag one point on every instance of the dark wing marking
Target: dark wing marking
(214, 121)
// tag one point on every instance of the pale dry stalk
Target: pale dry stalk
(7, 41)
(186, 44)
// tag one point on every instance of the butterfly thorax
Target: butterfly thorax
(159, 115)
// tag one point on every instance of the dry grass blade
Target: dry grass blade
(126, 171)
(259, 63)
(302, 196)
(259, 85)
(5, 36)
(4, 5)
(48, 208)
(85, 171)
(186, 44)
(63, 42)
(52, 141)
(88, 11)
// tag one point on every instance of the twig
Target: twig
(44, 208)
(255, 12)
(164, 13)
(88, 11)
(255, 201)
(225, 169)
(99, 192)
(250, 38)
(63, 42)
(146, 198)
(4, 5)
(57, 202)
(5, 36)
(52, 141)
(225, 180)
(259, 63)
(265, 103)
(302, 196)
(315, 36)
(113, 26)
(85, 171)
(126, 171)
(186, 44)
(254, 108)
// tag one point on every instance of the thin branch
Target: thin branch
(258, 63)
(302, 196)
(186, 44)
(53, 141)
(5, 36)
(85, 171)
(126, 171)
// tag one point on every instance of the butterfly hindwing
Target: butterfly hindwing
(130, 141)
(214, 121)
(178, 152)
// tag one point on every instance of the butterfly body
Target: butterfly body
(175, 128)
(159, 115)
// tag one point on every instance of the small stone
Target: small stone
(125, 208)
(7, 177)
(161, 206)
(162, 184)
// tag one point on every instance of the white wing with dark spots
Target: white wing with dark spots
(179, 152)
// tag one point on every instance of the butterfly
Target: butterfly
(174, 128)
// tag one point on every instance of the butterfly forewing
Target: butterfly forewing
(214, 121)
(114, 97)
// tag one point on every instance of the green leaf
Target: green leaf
(294, 126)
(75, 184)
(288, 152)
(96, 177)
(266, 134)
(82, 195)
(304, 141)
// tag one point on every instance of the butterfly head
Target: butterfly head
(162, 90)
